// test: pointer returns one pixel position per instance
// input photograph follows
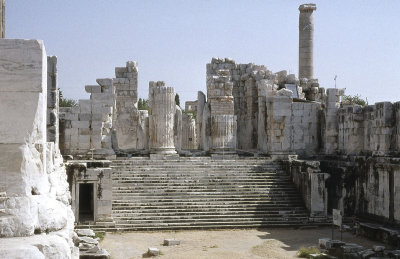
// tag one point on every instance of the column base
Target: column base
(282, 155)
(163, 153)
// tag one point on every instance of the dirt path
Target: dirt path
(230, 244)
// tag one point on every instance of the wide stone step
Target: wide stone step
(200, 212)
(201, 221)
(211, 196)
(202, 186)
(210, 202)
(193, 169)
(207, 164)
(210, 185)
(175, 177)
(193, 192)
(189, 175)
(187, 204)
(216, 225)
(155, 161)
(204, 206)
(206, 195)
(213, 210)
(198, 172)
(205, 214)
(178, 179)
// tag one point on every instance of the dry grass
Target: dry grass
(304, 252)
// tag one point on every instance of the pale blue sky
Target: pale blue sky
(173, 40)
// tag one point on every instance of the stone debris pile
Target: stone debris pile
(339, 249)
(89, 246)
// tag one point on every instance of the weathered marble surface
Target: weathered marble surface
(53, 245)
(161, 118)
(306, 38)
(2, 19)
(52, 100)
(23, 63)
(189, 134)
(34, 196)
(130, 123)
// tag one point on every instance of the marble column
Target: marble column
(2, 19)
(189, 136)
(162, 118)
(223, 133)
(306, 38)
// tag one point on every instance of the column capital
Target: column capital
(307, 7)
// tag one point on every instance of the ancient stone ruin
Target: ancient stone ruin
(2, 19)
(258, 149)
(34, 195)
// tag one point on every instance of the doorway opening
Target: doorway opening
(86, 204)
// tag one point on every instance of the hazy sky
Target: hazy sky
(173, 40)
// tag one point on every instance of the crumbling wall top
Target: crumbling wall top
(307, 7)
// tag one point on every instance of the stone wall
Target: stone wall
(34, 196)
(86, 128)
(221, 101)
(130, 124)
(248, 84)
(329, 121)
(365, 186)
(191, 106)
(368, 130)
(310, 181)
(288, 127)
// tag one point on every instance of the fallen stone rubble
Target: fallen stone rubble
(89, 246)
(338, 249)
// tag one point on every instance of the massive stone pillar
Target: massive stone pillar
(34, 196)
(52, 101)
(2, 19)
(223, 119)
(306, 37)
(161, 118)
(129, 123)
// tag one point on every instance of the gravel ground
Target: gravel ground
(232, 244)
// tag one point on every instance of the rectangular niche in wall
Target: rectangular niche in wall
(86, 202)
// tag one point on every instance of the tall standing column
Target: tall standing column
(162, 118)
(306, 38)
(2, 19)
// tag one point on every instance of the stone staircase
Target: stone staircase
(201, 193)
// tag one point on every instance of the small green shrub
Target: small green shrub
(356, 99)
(304, 252)
(143, 104)
(66, 102)
(193, 113)
(99, 235)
